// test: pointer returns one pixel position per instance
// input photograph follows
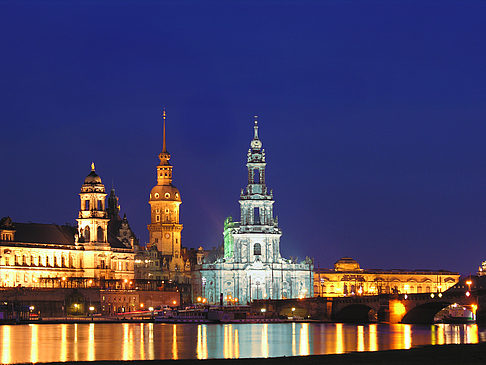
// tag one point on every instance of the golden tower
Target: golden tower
(164, 228)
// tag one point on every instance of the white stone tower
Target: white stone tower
(93, 218)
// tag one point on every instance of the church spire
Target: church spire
(164, 156)
(256, 127)
(164, 149)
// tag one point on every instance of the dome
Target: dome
(165, 193)
(346, 264)
(92, 178)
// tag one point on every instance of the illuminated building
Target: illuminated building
(482, 269)
(250, 266)
(39, 255)
(347, 278)
(164, 258)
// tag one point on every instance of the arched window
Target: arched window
(256, 176)
(256, 215)
(257, 249)
(63, 261)
(24, 260)
(100, 235)
(86, 234)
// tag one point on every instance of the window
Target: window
(24, 260)
(256, 215)
(257, 249)
(100, 205)
(63, 261)
(86, 234)
(100, 235)
(86, 205)
(157, 218)
(256, 176)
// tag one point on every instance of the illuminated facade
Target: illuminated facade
(482, 269)
(347, 278)
(163, 259)
(36, 255)
(251, 266)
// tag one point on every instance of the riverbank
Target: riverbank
(471, 354)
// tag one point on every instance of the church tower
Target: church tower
(92, 218)
(165, 199)
(258, 237)
(252, 267)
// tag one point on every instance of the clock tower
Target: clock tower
(165, 199)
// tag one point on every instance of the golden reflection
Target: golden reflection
(199, 348)
(339, 338)
(34, 343)
(142, 344)
(440, 334)
(294, 346)
(304, 339)
(151, 352)
(433, 335)
(174, 342)
(75, 342)
(126, 342)
(265, 340)
(373, 338)
(237, 345)
(361, 345)
(227, 342)
(91, 343)
(407, 336)
(457, 335)
(472, 334)
(6, 345)
(396, 336)
(63, 357)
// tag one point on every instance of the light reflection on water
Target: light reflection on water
(132, 341)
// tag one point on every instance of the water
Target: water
(148, 341)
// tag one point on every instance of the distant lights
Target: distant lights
(432, 295)
(468, 293)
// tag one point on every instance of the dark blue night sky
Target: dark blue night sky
(372, 114)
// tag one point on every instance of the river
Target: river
(148, 341)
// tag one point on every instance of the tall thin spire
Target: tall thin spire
(256, 127)
(164, 149)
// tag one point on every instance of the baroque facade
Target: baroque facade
(251, 266)
(49, 255)
(347, 279)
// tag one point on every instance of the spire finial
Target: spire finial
(164, 149)
(92, 166)
(256, 127)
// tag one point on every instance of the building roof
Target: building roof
(44, 233)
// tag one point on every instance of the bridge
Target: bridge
(392, 308)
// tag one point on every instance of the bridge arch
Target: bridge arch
(355, 313)
(424, 313)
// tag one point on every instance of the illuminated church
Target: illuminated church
(251, 266)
